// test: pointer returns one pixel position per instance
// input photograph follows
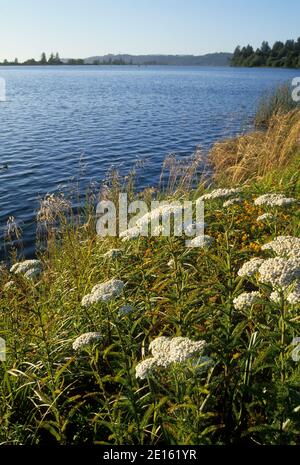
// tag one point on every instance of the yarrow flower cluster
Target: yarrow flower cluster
(284, 246)
(279, 272)
(103, 292)
(166, 351)
(274, 200)
(29, 268)
(231, 202)
(265, 217)
(85, 340)
(251, 267)
(201, 241)
(246, 300)
(219, 194)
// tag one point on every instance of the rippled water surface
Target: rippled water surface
(114, 116)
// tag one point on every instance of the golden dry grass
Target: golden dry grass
(254, 155)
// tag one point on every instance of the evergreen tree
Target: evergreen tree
(43, 59)
(57, 59)
(51, 60)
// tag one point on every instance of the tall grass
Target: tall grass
(255, 155)
(278, 102)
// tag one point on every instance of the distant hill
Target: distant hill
(210, 59)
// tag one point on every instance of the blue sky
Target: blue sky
(83, 28)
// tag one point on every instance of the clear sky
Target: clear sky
(82, 28)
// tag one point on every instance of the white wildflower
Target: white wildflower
(145, 368)
(103, 292)
(201, 241)
(274, 200)
(251, 267)
(284, 246)
(231, 202)
(220, 194)
(160, 349)
(182, 348)
(177, 349)
(265, 217)
(246, 300)
(279, 272)
(29, 268)
(275, 297)
(86, 340)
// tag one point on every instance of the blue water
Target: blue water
(112, 116)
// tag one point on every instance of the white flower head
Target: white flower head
(166, 351)
(265, 217)
(85, 340)
(145, 368)
(274, 200)
(246, 300)
(279, 272)
(29, 268)
(284, 246)
(235, 201)
(220, 194)
(251, 267)
(182, 348)
(203, 241)
(104, 292)
(275, 297)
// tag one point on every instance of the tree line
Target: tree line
(281, 55)
(54, 59)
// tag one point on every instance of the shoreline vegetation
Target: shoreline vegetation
(210, 59)
(146, 341)
(280, 55)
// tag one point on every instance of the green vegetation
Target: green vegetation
(246, 390)
(52, 60)
(278, 102)
(279, 56)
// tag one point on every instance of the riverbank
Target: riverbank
(104, 364)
